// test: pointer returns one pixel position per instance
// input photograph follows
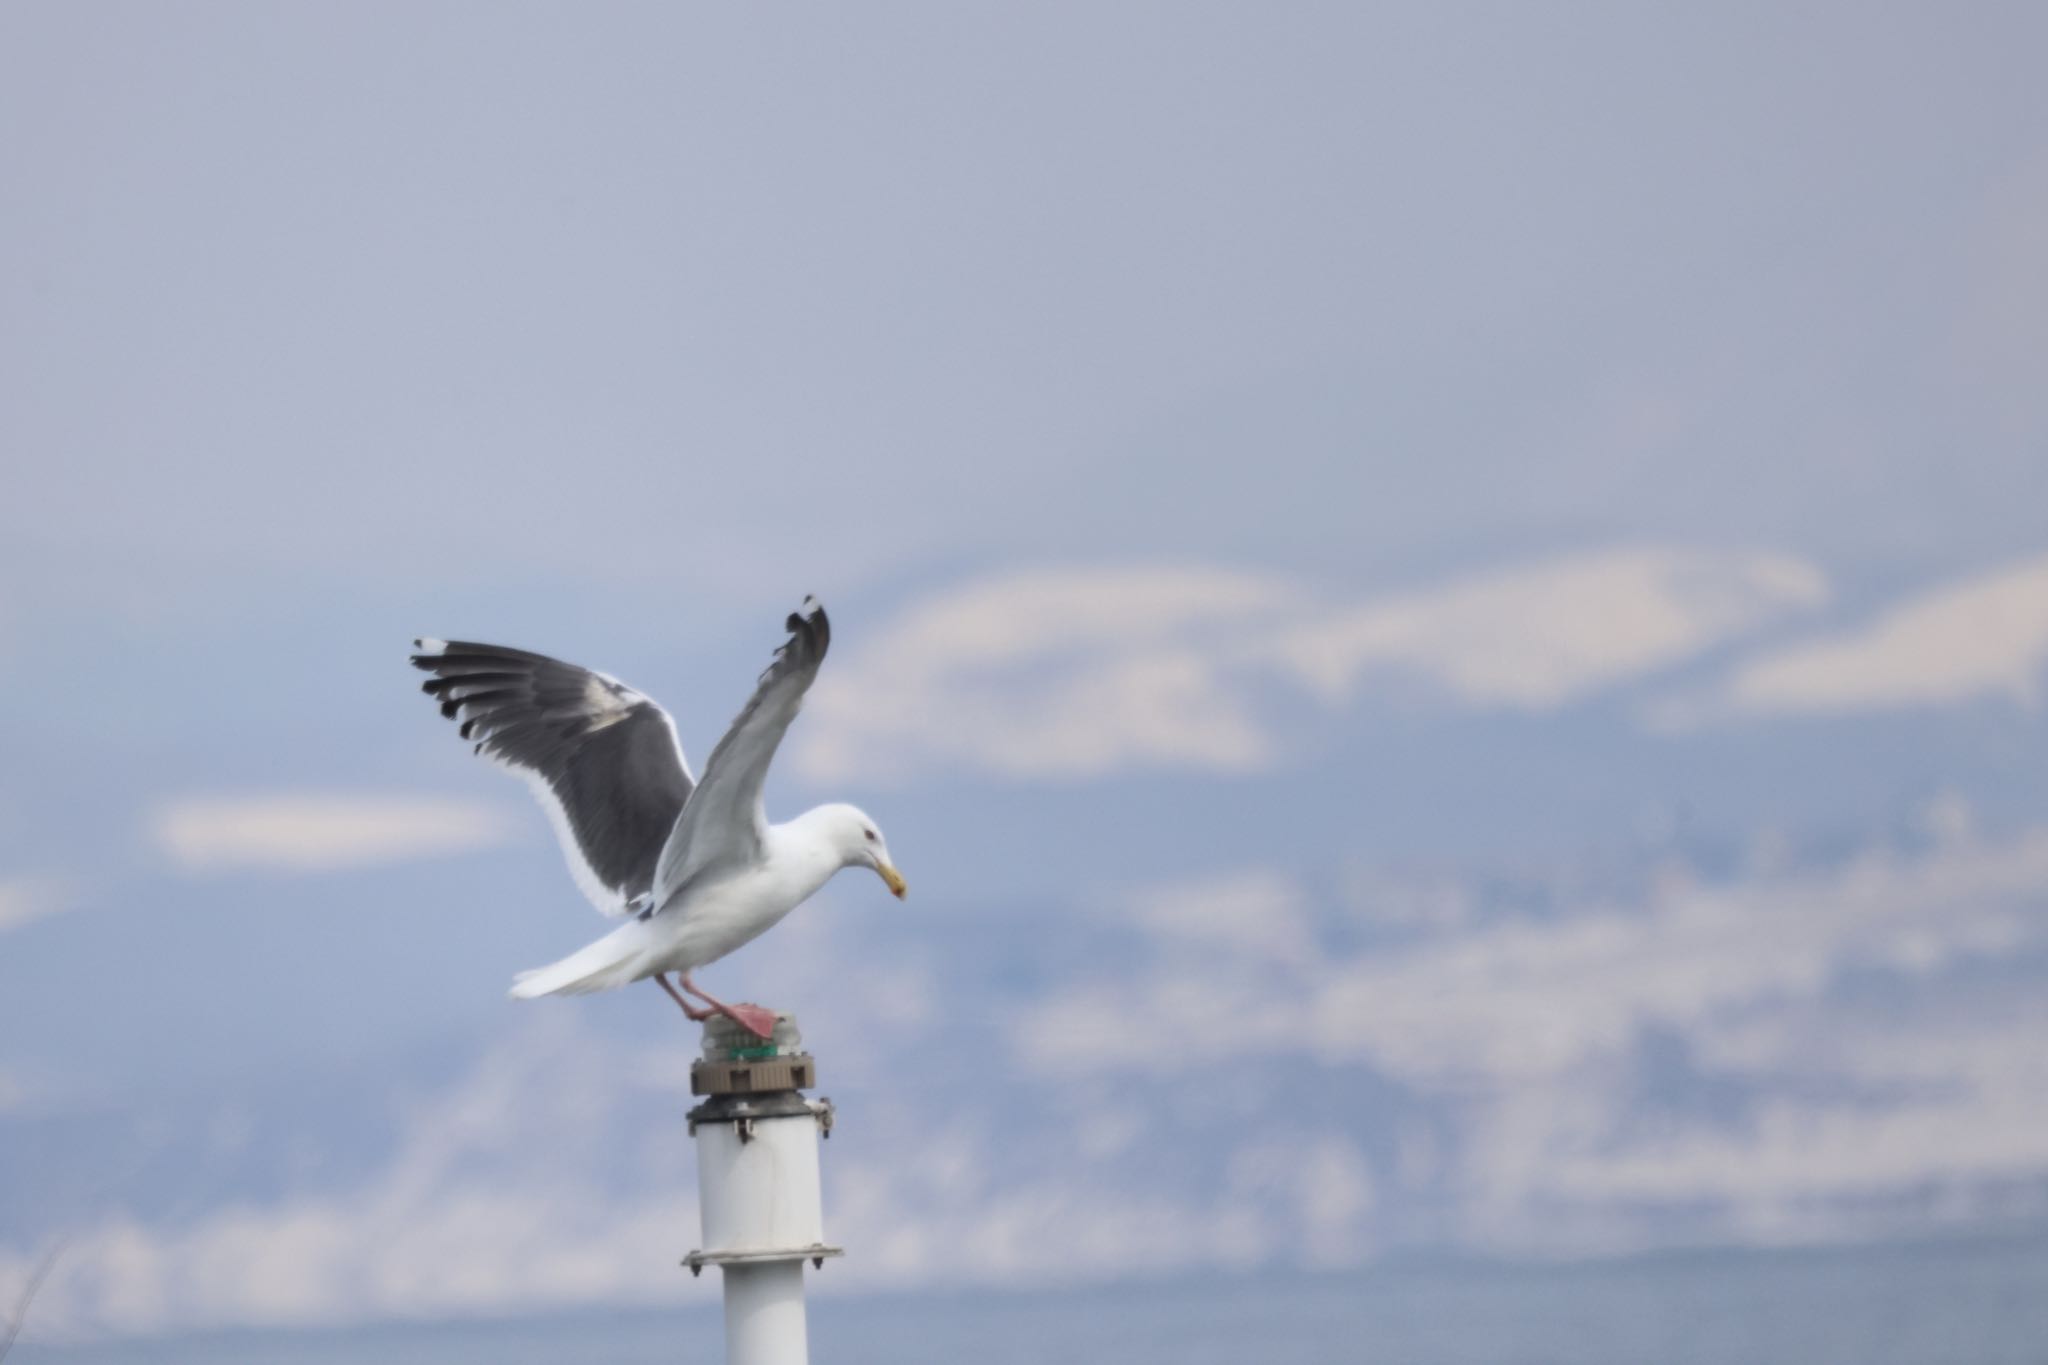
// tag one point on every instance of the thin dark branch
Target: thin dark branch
(28, 1296)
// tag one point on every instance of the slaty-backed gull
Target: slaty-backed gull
(693, 866)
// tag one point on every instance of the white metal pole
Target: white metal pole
(764, 1314)
(757, 1183)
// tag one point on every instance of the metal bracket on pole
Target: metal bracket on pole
(815, 1254)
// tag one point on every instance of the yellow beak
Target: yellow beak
(894, 878)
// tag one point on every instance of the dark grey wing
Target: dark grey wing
(603, 759)
(723, 824)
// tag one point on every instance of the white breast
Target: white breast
(713, 921)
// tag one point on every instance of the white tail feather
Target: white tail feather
(609, 962)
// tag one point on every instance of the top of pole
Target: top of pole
(739, 1062)
(728, 1040)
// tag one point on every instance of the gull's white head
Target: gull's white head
(859, 842)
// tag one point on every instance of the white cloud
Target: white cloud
(1073, 673)
(1260, 915)
(1533, 999)
(1532, 1029)
(494, 1202)
(1290, 1190)
(1322, 1181)
(1537, 999)
(1986, 637)
(485, 1206)
(1537, 637)
(1054, 672)
(1977, 1115)
(24, 900)
(319, 832)
(502, 1193)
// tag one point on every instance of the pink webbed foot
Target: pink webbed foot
(755, 1019)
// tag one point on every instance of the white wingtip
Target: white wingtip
(427, 646)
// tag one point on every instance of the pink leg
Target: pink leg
(754, 1019)
(695, 1015)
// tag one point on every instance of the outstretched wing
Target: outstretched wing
(603, 759)
(723, 825)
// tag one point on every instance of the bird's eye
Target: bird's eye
(870, 833)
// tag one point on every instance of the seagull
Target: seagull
(693, 867)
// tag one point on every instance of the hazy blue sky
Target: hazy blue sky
(664, 297)
(1491, 559)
